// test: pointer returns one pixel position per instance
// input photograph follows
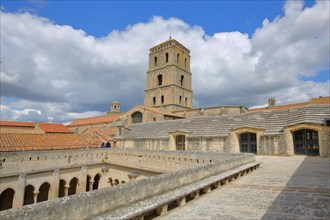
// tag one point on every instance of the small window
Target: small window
(160, 79)
(185, 62)
(186, 101)
(180, 142)
(180, 99)
(166, 57)
(162, 99)
(177, 58)
(155, 61)
(181, 80)
(154, 100)
(137, 117)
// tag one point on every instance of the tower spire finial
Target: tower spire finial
(170, 36)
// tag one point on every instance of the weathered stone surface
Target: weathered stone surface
(282, 188)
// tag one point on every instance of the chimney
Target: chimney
(271, 102)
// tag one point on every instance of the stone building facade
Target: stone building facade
(294, 131)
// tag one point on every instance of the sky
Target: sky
(63, 60)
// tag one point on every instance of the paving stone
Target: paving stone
(282, 188)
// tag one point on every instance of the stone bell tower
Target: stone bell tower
(168, 85)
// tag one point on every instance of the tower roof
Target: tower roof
(169, 43)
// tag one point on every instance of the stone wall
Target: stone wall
(280, 144)
(89, 204)
(211, 111)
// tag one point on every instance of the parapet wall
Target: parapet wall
(93, 203)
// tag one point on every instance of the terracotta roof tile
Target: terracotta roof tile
(54, 128)
(35, 142)
(16, 124)
(94, 120)
(106, 133)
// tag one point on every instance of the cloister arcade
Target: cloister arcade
(33, 194)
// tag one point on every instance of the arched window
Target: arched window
(28, 195)
(160, 79)
(73, 186)
(181, 80)
(96, 181)
(154, 100)
(177, 58)
(166, 55)
(155, 61)
(6, 199)
(248, 142)
(61, 190)
(186, 101)
(306, 142)
(185, 62)
(180, 142)
(43, 192)
(137, 117)
(162, 99)
(180, 99)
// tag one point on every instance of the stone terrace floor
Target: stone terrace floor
(282, 188)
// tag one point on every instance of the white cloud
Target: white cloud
(65, 73)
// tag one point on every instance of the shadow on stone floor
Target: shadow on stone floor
(306, 195)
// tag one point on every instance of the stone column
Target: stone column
(81, 187)
(35, 196)
(18, 199)
(91, 182)
(55, 185)
(66, 189)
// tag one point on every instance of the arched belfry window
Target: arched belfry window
(180, 99)
(137, 117)
(177, 58)
(166, 55)
(160, 79)
(181, 80)
(186, 101)
(155, 61)
(162, 99)
(154, 100)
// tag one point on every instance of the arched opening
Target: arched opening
(61, 190)
(28, 195)
(177, 58)
(181, 80)
(96, 181)
(180, 142)
(162, 98)
(154, 100)
(306, 142)
(186, 101)
(155, 61)
(248, 142)
(88, 179)
(160, 79)
(43, 192)
(137, 117)
(6, 199)
(73, 186)
(108, 144)
(166, 55)
(180, 99)
(116, 182)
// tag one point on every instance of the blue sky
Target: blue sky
(243, 52)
